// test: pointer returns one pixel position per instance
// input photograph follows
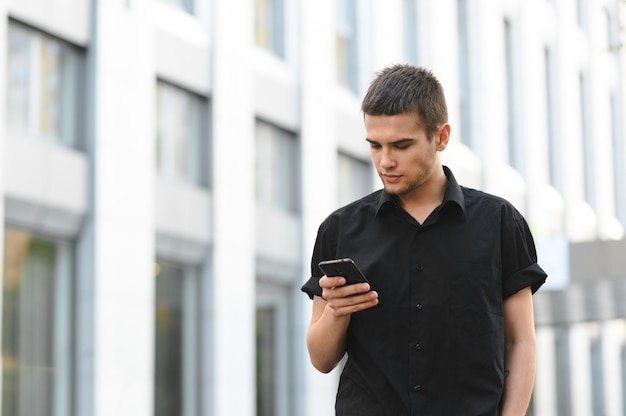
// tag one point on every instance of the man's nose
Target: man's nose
(387, 161)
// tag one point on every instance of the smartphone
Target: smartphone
(345, 268)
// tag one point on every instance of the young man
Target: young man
(447, 326)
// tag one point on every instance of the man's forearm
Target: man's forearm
(326, 339)
(519, 377)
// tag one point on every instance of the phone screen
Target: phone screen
(345, 268)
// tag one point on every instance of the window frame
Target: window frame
(63, 320)
(346, 44)
(347, 191)
(196, 169)
(71, 81)
(275, 296)
(269, 25)
(270, 168)
(191, 335)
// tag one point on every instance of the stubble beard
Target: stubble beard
(411, 184)
(404, 189)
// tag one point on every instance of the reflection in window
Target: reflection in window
(581, 13)
(563, 371)
(554, 144)
(346, 44)
(181, 145)
(464, 72)
(410, 30)
(176, 341)
(619, 160)
(597, 376)
(266, 337)
(36, 326)
(614, 31)
(355, 179)
(515, 150)
(269, 26)
(277, 167)
(274, 373)
(623, 372)
(44, 83)
(587, 141)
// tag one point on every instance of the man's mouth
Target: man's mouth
(391, 178)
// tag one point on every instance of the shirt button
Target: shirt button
(419, 306)
(418, 347)
(417, 387)
(420, 268)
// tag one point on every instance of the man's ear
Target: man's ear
(443, 136)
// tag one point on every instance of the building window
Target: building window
(186, 5)
(355, 179)
(277, 167)
(269, 26)
(563, 371)
(597, 375)
(515, 151)
(614, 35)
(176, 381)
(619, 163)
(266, 361)
(587, 142)
(273, 383)
(410, 30)
(346, 45)
(623, 373)
(554, 145)
(581, 13)
(464, 73)
(36, 326)
(45, 83)
(181, 140)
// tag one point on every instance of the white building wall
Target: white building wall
(130, 215)
(68, 19)
(604, 75)
(573, 49)
(183, 56)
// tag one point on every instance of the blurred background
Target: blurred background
(165, 164)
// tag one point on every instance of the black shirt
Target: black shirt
(435, 344)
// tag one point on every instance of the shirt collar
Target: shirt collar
(452, 196)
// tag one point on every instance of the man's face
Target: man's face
(404, 156)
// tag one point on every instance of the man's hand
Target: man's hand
(326, 337)
(345, 299)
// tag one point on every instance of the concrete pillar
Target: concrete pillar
(490, 117)
(580, 365)
(545, 392)
(613, 333)
(233, 280)
(119, 235)
(319, 166)
(3, 129)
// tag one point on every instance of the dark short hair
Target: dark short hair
(401, 88)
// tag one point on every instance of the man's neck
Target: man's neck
(425, 199)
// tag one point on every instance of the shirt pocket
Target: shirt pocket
(475, 300)
(477, 322)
